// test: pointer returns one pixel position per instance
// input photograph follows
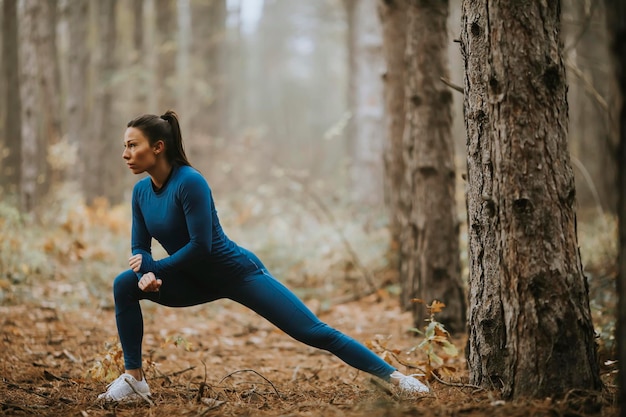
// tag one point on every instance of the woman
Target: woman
(174, 205)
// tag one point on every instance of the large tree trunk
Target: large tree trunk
(529, 305)
(366, 64)
(76, 103)
(616, 13)
(429, 246)
(393, 16)
(11, 161)
(28, 14)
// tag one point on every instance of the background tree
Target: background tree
(29, 12)
(592, 85)
(102, 155)
(529, 306)
(166, 46)
(77, 17)
(616, 17)
(393, 17)
(366, 130)
(50, 75)
(429, 243)
(11, 156)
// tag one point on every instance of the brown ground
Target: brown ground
(223, 360)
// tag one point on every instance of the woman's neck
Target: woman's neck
(160, 173)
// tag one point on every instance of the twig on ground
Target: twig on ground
(253, 371)
(456, 384)
(176, 373)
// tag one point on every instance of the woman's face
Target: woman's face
(139, 155)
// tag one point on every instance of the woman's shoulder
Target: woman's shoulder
(187, 175)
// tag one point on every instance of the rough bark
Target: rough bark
(76, 102)
(28, 13)
(429, 245)
(365, 100)
(529, 306)
(10, 159)
(616, 13)
(393, 17)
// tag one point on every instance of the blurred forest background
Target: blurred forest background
(282, 109)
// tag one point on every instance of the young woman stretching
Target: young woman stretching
(174, 205)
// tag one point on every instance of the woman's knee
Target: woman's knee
(124, 285)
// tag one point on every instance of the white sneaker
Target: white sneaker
(120, 390)
(409, 384)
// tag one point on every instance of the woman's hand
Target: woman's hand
(149, 282)
(135, 262)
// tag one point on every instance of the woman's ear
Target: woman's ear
(158, 147)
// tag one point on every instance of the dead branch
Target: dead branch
(255, 372)
(452, 85)
(589, 87)
(176, 373)
(369, 279)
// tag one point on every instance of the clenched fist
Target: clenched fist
(149, 283)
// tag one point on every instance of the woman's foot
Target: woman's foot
(408, 383)
(125, 388)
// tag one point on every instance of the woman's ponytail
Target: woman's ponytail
(176, 150)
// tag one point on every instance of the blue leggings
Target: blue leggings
(258, 291)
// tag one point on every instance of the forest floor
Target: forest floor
(221, 359)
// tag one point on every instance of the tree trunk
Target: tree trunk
(51, 91)
(11, 160)
(393, 16)
(166, 59)
(591, 129)
(103, 159)
(429, 246)
(366, 104)
(529, 305)
(183, 61)
(616, 14)
(76, 102)
(28, 15)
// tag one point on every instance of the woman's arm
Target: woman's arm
(197, 204)
(141, 240)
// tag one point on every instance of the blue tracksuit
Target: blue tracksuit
(205, 265)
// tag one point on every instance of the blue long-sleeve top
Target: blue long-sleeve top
(181, 216)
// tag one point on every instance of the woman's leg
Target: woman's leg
(269, 298)
(177, 291)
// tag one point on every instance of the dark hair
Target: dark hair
(165, 128)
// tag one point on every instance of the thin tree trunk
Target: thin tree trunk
(51, 90)
(103, 158)
(429, 245)
(28, 15)
(616, 16)
(393, 16)
(530, 320)
(10, 173)
(76, 103)
(366, 104)
(165, 32)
